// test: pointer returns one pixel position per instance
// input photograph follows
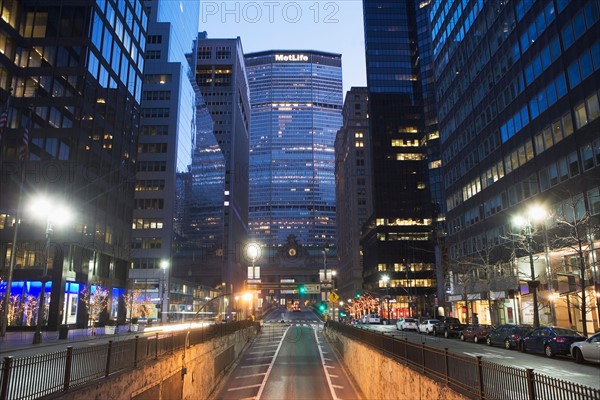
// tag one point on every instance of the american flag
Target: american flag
(4, 117)
(24, 148)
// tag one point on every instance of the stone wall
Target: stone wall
(382, 378)
(189, 374)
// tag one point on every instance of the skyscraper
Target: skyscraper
(296, 99)
(221, 78)
(399, 238)
(165, 145)
(517, 84)
(353, 183)
(76, 81)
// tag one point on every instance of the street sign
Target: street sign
(333, 297)
(312, 288)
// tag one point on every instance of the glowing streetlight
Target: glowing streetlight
(164, 265)
(54, 213)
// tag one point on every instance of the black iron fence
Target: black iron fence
(471, 376)
(36, 376)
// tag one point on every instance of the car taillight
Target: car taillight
(515, 337)
(559, 339)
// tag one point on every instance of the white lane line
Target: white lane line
(338, 386)
(242, 387)
(250, 376)
(255, 365)
(264, 382)
(333, 376)
(331, 389)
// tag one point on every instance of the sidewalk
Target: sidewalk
(20, 343)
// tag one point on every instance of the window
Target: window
(587, 157)
(580, 116)
(592, 107)
(573, 164)
(594, 201)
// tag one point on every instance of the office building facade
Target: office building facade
(399, 239)
(518, 123)
(221, 78)
(164, 151)
(296, 99)
(353, 183)
(71, 76)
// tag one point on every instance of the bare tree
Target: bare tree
(574, 230)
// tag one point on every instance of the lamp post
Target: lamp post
(253, 253)
(164, 265)
(525, 222)
(42, 208)
(386, 280)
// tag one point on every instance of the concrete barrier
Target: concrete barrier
(382, 378)
(189, 374)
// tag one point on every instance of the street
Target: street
(290, 360)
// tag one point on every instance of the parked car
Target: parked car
(508, 335)
(371, 319)
(587, 350)
(448, 326)
(406, 323)
(426, 326)
(550, 340)
(477, 333)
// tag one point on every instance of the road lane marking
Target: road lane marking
(258, 358)
(242, 387)
(329, 383)
(250, 376)
(264, 382)
(255, 365)
(260, 352)
(338, 386)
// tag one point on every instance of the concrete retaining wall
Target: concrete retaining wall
(380, 377)
(191, 374)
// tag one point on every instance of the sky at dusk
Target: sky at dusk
(335, 27)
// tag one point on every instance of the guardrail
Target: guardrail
(32, 377)
(471, 376)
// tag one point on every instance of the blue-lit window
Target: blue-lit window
(551, 93)
(550, 14)
(596, 55)
(545, 57)
(561, 85)
(585, 65)
(554, 48)
(578, 25)
(561, 4)
(574, 75)
(567, 36)
(592, 12)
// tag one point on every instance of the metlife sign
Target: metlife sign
(291, 57)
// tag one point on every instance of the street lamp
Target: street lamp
(253, 253)
(164, 265)
(55, 214)
(534, 213)
(386, 280)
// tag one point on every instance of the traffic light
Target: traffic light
(357, 295)
(322, 306)
(301, 289)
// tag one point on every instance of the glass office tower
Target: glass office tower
(72, 75)
(165, 148)
(519, 112)
(399, 240)
(296, 99)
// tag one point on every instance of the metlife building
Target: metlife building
(296, 99)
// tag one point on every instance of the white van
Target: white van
(371, 319)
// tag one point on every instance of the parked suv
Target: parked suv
(448, 326)
(427, 325)
(371, 319)
(406, 323)
(508, 336)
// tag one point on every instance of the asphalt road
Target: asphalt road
(288, 360)
(561, 367)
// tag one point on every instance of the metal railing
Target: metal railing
(472, 377)
(32, 377)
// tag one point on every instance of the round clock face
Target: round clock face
(292, 252)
